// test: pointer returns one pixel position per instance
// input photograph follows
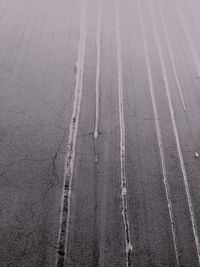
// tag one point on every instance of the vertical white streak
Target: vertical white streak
(159, 136)
(185, 178)
(189, 40)
(73, 129)
(122, 141)
(98, 47)
(172, 58)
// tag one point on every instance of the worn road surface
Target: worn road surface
(99, 133)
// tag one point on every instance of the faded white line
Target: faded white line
(69, 164)
(189, 40)
(159, 136)
(171, 56)
(98, 46)
(185, 178)
(122, 141)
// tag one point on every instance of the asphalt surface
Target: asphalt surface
(99, 133)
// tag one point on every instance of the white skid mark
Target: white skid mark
(122, 141)
(98, 46)
(189, 40)
(159, 136)
(69, 164)
(172, 57)
(164, 74)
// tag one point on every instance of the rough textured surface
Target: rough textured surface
(112, 221)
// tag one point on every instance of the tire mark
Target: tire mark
(171, 54)
(171, 109)
(122, 141)
(159, 136)
(98, 46)
(70, 157)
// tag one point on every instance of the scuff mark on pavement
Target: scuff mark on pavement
(73, 131)
(98, 46)
(129, 247)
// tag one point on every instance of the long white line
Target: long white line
(171, 56)
(164, 74)
(98, 46)
(159, 136)
(189, 40)
(69, 164)
(122, 141)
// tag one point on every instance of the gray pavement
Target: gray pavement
(99, 133)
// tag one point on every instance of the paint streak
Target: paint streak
(69, 164)
(159, 136)
(189, 40)
(171, 54)
(122, 143)
(98, 46)
(185, 178)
